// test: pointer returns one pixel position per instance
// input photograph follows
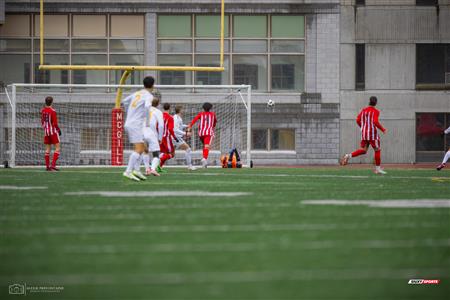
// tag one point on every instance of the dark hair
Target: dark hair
(207, 106)
(373, 101)
(166, 106)
(149, 81)
(155, 102)
(178, 108)
(48, 100)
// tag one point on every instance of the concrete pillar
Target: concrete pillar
(150, 42)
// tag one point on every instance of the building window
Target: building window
(430, 143)
(360, 2)
(266, 51)
(433, 66)
(427, 2)
(360, 67)
(273, 139)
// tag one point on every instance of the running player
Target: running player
(368, 121)
(137, 106)
(153, 134)
(167, 149)
(49, 121)
(208, 121)
(447, 154)
(180, 132)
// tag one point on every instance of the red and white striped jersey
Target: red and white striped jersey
(49, 121)
(168, 126)
(208, 121)
(368, 121)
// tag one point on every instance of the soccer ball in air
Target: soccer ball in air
(270, 103)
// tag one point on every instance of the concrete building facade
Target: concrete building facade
(316, 81)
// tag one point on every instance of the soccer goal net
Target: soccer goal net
(85, 116)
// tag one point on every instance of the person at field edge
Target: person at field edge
(49, 121)
(447, 154)
(137, 106)
(208, 122)
(368, 121)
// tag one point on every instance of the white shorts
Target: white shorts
(179, 143)
(135, 135)
(151, 139)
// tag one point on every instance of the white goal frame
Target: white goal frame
(12, 99)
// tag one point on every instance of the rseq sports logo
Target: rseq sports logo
(424, 281)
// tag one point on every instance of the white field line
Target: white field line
(200, 173)
(236, 277)
(225, 228)
(158, 194)
(15, 187)
(417, 203)
(233, 247)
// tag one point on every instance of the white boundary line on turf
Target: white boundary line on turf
(404, 203)
(231, 277)
(16, 187)
(223, 228)
(158, 194)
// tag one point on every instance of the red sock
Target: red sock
(55, 158)
(358, 152)
(164, 158)
(378, 158)
(47, 159)
(205, 153)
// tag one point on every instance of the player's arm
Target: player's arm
(55, 122)
(127, 100)
(197, 117)
(447, 131)
(42, 119)
(358, 119)
(171, 132)
(177, 127)
(160, 121)
(376, 122)
(215, 121)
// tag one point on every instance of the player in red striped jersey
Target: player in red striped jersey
(167, 148)
(447, 154)
(49, 121)
(368, 122)
(208, 122)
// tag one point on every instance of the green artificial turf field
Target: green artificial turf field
(253, 235)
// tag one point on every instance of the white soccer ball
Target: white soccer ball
(270, 103)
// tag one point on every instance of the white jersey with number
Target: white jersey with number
(178, 126)
(137, 106)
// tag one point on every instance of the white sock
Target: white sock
(137, 165)
(155, 163)
(188, 157)
(132, 161)
(378, 168)
(446, 157)
(146, 158)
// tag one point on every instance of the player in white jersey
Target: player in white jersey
(137, 106)
(153, 134)
(180, 131)
(447, 154)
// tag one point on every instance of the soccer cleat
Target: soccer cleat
(139, 175)
(147, 172)
(192, 168)
(54, 169)
(130, 176)
(154, 173)
(440, 167)
(161, 170)
(204, 163)
(344, 159)
(48, 169)
(380, 171)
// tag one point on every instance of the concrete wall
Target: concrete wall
(390, 30)
(2, 11)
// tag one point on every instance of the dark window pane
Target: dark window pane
(246, 74)
(259, 139)
(283, 76)
(429, 127)
(282, 139)
(360, 2)
(430, 63)
(360, 62)
(427, 2)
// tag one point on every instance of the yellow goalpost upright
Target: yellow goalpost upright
(117, 113)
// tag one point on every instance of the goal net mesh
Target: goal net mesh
(84, 116)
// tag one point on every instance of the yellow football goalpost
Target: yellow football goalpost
(129, 69)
